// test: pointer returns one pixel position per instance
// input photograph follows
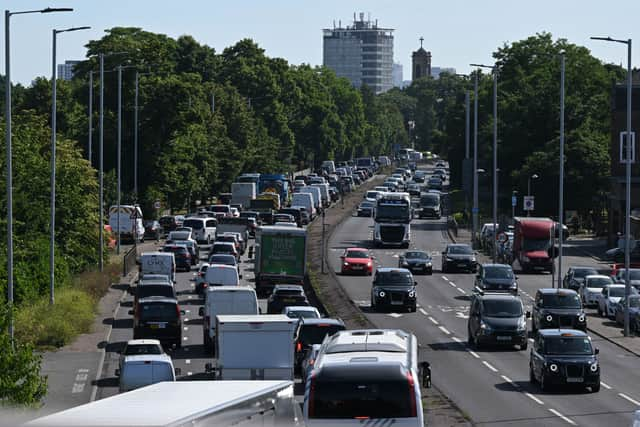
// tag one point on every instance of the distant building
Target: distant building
(363, 53)
(65, 71)
(435, 71)
(397, 75)
(420, 63)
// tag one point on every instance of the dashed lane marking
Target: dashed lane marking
(185, 338)
(435, 322)
(507, 379)
(489, 365)
(394, 315)
(625, 397)
(187, 361)
(474, 354)
(453, 284)
(535, 399)
(445, 278)
(558, 414)
(186, 328)
(608, 387)
(189, 374)
(445, 330)
(186, 320)
(423, 311)
(456, 339)
(462, 291)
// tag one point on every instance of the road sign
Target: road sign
(528, 204)
(514, 201)
(475, 210)
(157, 204)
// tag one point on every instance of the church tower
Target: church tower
(420, 63)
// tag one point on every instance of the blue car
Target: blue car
(634, 312)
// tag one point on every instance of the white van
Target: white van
(324, 194)
(329, 166)
(366, 374)
(127, 220)
(306, 201)
(158, 263)
(225, 300)
(222, 275)
(315, 193)
(142, 370)
(203, 229)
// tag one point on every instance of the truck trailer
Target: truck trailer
(533, 240)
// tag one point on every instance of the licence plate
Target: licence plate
(357, 267)
(397, 302)
(462, 265)
(503, 338)
(289, 300)
(575, 380)
(158, 326)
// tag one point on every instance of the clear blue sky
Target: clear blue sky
(457, 32)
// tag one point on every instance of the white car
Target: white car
(592, 287)
(609, 297)
(235, 212)
(301, 311)
(140, 347)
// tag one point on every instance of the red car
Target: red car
(357, 260)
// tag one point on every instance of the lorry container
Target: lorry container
(254, 347)
(280, 257)
(242, 193)
(533, 239)
(188, 404)
(275, 183)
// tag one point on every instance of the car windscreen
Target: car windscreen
(371, 194)
(568, 345)
(416, 255)
(222, 259)
(599, 282)
(393, 278)
(357, 254)
(287, 292)
(131, 350)
(370, 397)
(193, 223)
(155, 291)
(633, 274)
(222, 249)
(502, 308)
(529, 245)
(220, 208)
(158, 312)
(314, 334)
(561, 301)
(302, 314)
(429, 200)
(581, 273)
(494, 272)
(460, 250)
(616, 292)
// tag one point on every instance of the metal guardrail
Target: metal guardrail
(129, 260)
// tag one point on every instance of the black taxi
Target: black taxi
(557, 308)
(564, 357)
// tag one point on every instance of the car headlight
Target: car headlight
(514, 285)
(368, 263)
(553, 367)
(594, 367)
(549, 318)
(381, 294)
(405, 264)
(522, 325)
(346, 264)
(484, 326)
(581, 318)
(412, 294)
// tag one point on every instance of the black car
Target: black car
(310, 332)
(496, 278)
(152, 230)
(430, 206)
(181, 254)
(575, 277)
(158, 318)
(296, 213)
(168, 223)
(458, 256)
(152, 288)
(557, 308)
(392, 288)
(366, 208)
(413, 189)
(415, 261)
(285, 296)
(497, 319)
(564, 357)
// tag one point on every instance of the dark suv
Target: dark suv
(557, 308)
(497, 319)
(458, 256)
(564, 357)
(393, 287)
(181, 254)
(496, 278)
(158, 318)
(310, 332)
(285, 296)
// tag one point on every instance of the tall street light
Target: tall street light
(52, 225)
(495, 153)
(474, 209)
(627, 222)
(561, 195)
(534, 176)
(7, 75)
(90, 141)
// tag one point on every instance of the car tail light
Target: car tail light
(298, 346)
(412, 395)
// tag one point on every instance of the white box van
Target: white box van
(158, 263)
(329, 166)
(225, 300)
(142, 370)
(203, 230)
(222, 275)
(306, 201)
(315, 193)
(127, 220)
(324, 193)
(365, 374)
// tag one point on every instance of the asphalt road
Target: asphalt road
(492, 385)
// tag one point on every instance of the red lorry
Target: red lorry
(533, 239)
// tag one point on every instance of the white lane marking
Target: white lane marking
(461, 315)
(489, 365)
(624, 396)
(445, 278)
(462, 291)
(423, 311)
(435, 322)
(187, 361)
(453, 284)
(186, 328)
(553, 411)
(474, 354)
(456, 339)
(394, 315)
(185, 338)
(507, 379)
(445, 330)
(189, 374)
(186, 320)
(535, 399)
(608, 387)
(187, 311)
(189, 296)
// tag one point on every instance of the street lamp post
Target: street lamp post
(627, 224)
(7, 52)
(90, 141)
(561, 195)
(534, 176)
(513, 205)
(52, 225)
(475, 208)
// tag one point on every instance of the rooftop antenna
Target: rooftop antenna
(361, 16)
(421, 40)
(334, 24)
(354, 17)
(340, 23)
(376, 22)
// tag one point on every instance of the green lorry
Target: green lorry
(280, 257)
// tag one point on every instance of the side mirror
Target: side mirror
(208, 367)
(201, 311)
(517, 277)
(415, 283)
(117, 372)
(597, 351)
(240, 276)
(177, 371)
(425, 374)
(131, 312)
(528, 315)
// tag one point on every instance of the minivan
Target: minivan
(305, 200)
(317, 196)
(204, 229)
(158, 318)
(143, 370)
(221, 275)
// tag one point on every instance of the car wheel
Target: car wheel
(595, 388)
